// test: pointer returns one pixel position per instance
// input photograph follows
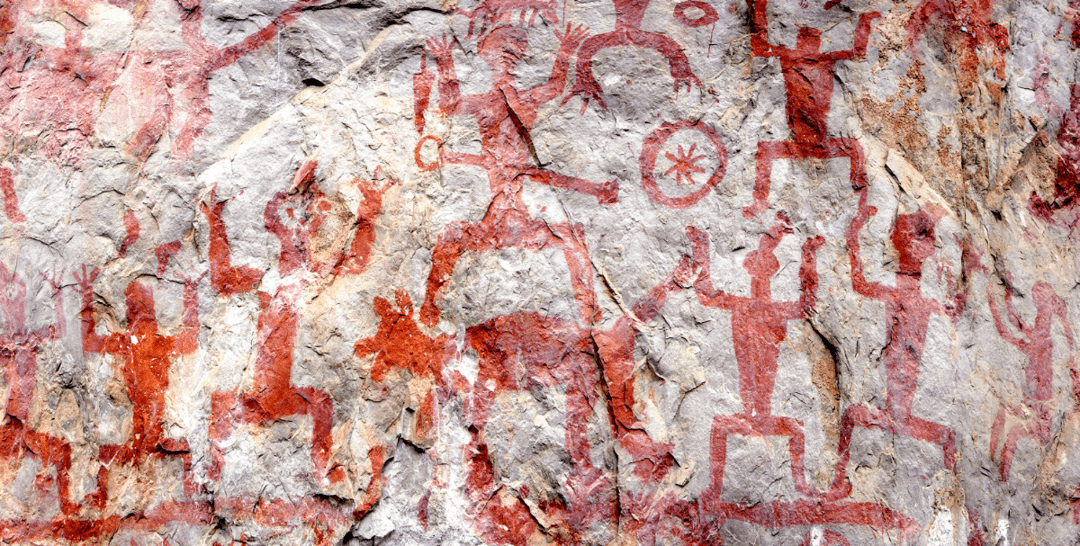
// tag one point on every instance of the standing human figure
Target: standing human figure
(808, 82)
(505, 116)
(145, 358)
(1037, 344)
(907, 314)
(759, 326)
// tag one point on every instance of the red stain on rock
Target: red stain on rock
(505, 116)
(967, 26)
(522, 352)
(808, 80)
(759, 326)
(18, 359)
(163, 253)
(615, 351)
(145, 355)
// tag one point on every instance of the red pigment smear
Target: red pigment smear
(166, 251)
(1067, 179)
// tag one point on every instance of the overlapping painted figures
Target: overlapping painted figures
(590, 356)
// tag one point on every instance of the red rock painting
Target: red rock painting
(145, 356)
(808, 81)
(19, 349)
(1035, 341)
(628, 18)
(505, 116)
(759, 326)
(912, 236)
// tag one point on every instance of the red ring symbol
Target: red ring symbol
(709, 14)
(655, 141)
(416, 154)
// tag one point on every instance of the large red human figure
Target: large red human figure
(628, 17)
(145, 358)
(759, 326)
(1036, 343)
(505, 116)
(808, 82)
(908, 313)
(18, 358)
(294, 218)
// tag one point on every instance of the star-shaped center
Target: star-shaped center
(684, 164)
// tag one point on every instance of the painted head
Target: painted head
(913, 237)
(809, 40)
(503, 47)
(762, 264)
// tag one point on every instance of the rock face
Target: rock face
(525, 272)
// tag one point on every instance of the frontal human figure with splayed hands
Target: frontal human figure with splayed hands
(505, 116)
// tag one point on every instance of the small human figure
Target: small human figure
(505, 116)
(294, 218)
(808, 82)
(1036, 343)
(759, 326)
(628, 17)
(908, 313)
(18, 359)
(145, 358)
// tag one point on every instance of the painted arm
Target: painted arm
(449, 87)
(995, 311)
(92, 342)
(569, 41)
(706, 294)
(862, 37)
(224, 278)
(858, 281)
(648, 307)
(188, 338)
(759, 31)
(808, 277)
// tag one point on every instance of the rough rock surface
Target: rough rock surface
(524, 272)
